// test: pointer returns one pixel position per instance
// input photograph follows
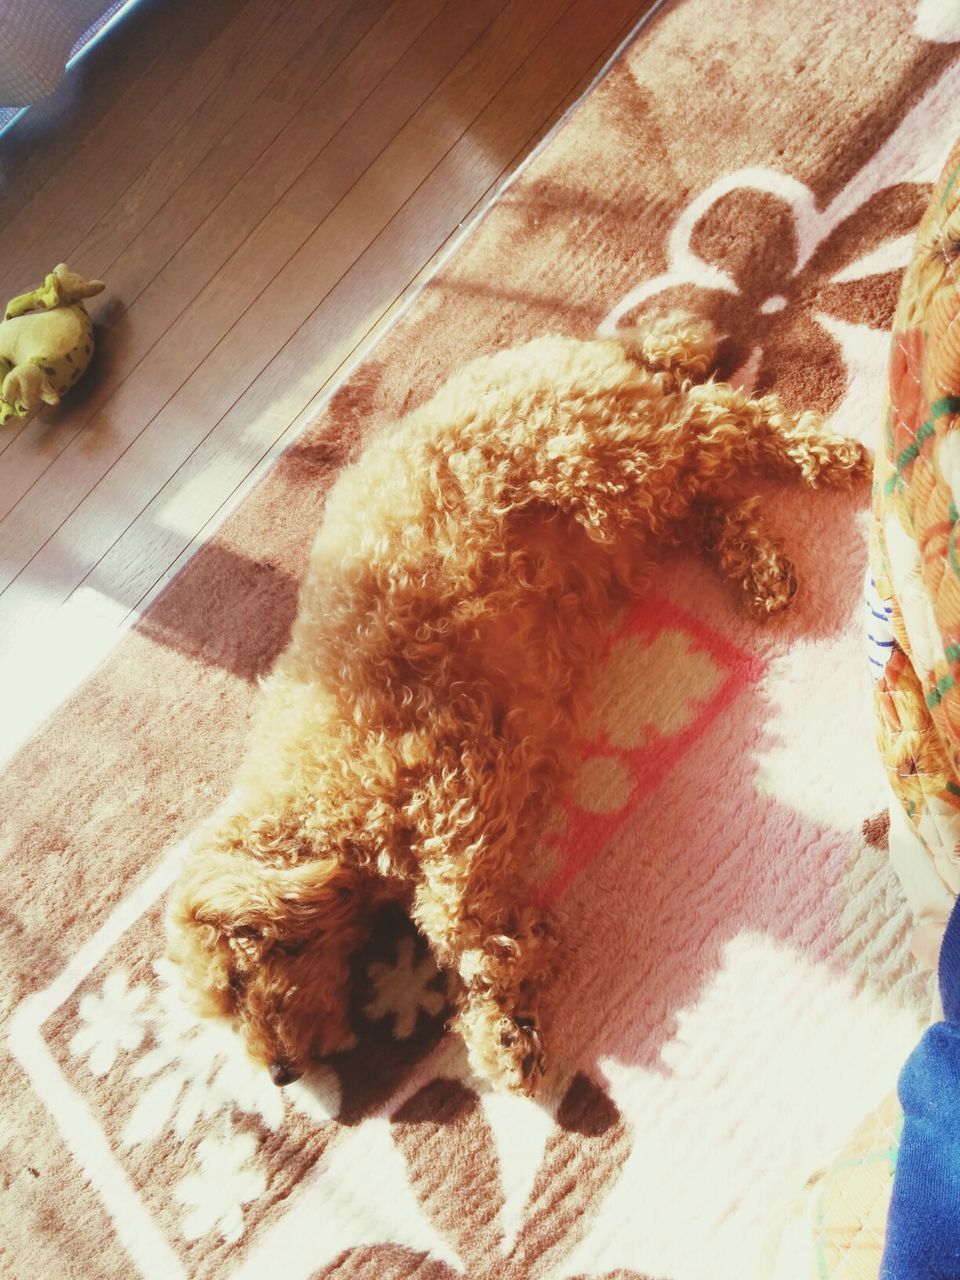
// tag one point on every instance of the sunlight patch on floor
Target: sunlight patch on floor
(776, 1063)
(44, 663)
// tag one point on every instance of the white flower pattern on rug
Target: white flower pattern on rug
(113, 1021)
(402, 989)
(815, 294)
(810, 298)
(446, 1207)
(222, 1187)
(649, 688)
(663, 682)
(198, 1068)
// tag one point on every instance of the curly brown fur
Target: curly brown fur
(412, 737)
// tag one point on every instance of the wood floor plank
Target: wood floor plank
(289, 34)
(337, 248)
(293, 41)
(145, 554)
(72, 198)
(189, 510)
(164, 392)
(155, 298)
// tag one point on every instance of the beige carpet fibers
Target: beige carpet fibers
(739, 992)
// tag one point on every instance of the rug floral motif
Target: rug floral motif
(739, 992)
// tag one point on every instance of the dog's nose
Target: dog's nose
(282, 1073)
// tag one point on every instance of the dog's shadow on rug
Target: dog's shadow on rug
(724, 920)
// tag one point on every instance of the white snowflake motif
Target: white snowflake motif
(402, 990)
(113, 1021)
(198, 1068)
(221, 1188)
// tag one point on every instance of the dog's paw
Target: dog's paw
(504, 1049)
(520, 1060)
(852, 461)
(837, 460)
(770, 587)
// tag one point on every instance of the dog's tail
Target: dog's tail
(677, 344)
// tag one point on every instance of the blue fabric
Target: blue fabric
(923, 1224)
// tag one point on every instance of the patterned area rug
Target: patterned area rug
(739, 993)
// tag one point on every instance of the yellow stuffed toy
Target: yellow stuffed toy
(46, 341)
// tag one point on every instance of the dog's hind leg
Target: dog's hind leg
(500, 944)
(738, 434)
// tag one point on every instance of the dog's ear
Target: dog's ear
(242, 899)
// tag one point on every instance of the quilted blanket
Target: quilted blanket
(740, 990)
(914, 561)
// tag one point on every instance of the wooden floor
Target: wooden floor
(260, 183)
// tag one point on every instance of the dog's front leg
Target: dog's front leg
(491, 932)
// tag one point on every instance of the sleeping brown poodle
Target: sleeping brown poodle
(414, 734)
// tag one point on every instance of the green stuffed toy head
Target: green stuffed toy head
(46, 341)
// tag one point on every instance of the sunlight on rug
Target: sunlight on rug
(739, 992)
